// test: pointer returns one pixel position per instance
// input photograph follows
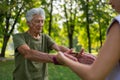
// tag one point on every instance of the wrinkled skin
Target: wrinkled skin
(82, 57)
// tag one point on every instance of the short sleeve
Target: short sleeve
(118, 18)
(49, 41)
(18, 40)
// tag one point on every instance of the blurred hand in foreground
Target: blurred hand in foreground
(82, 57)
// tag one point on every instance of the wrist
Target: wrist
(55, 61)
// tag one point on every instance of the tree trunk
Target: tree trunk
(5, 41)
(50, 22)
(87, 25)
(100, 33)
(70, 35)
(7, 32)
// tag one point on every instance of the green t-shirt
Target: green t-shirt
(26, 69)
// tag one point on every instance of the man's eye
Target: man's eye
(41, 21)
(37, 21)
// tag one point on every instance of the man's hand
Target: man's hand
(70, 56)
(67, 54)
(82, 57)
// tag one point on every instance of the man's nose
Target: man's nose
(40, 24)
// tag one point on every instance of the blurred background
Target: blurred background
(73, 23)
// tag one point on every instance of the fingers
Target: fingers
(71, 57)
(60, 57)
(67, 55)
(69, 51)
(86, 59)
(61, 53)
(80, 53)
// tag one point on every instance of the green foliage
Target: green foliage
(22, 25)
(99, 12)
(98, 21)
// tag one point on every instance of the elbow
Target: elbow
(88, 77)
(92, 76)
(27, 55)
(25, 52)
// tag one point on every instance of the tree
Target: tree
(87, 25)
(70, 15)
(11, 16)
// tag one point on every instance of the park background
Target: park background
(73, 23)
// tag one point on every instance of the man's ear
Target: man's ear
(28, 23)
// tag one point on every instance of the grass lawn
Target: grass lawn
(6, 68)
(55, 72)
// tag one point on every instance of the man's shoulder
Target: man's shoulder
(18, 34)
(45, 35)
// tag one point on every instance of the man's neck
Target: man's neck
(34, 35)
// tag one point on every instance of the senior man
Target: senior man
(31, 49)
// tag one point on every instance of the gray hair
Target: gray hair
(33, 11)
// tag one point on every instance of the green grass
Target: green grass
(61, 73)
(55, 72)
(6, 69)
